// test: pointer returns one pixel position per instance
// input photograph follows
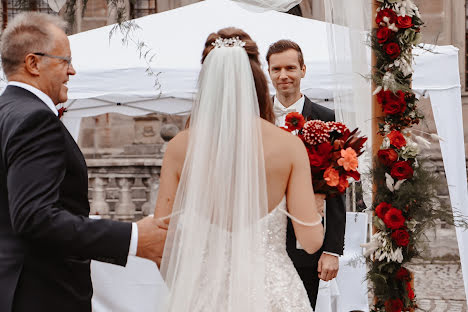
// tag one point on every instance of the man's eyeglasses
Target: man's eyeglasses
(67, 59)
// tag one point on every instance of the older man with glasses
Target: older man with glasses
(46, 237)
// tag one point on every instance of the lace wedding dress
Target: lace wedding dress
(284, 288)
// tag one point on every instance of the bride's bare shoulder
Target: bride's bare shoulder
(281, 138)
(177, 146)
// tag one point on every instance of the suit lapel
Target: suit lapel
(308, 111)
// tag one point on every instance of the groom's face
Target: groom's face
(286, 72)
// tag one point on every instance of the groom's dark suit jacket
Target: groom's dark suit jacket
(305, 263)
(46, 237)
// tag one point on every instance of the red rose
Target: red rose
(382, 209)
(294, 121)
(392, 49)
(392, 103)
(402, 170)
(383, 34)
(389, 13)
(410, 291)
(394, 305)
(403, 274)
(396, 139)
(394, 219)
(401, 237)
(387, 156)
(404, 22)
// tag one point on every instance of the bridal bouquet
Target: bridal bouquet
(333, 152)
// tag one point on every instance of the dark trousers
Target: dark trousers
(309, 277)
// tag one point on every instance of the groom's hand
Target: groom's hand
(151, 237)
(328, 267)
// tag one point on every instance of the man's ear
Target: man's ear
(304, 70)
(31, 64)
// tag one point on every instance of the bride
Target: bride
(228, 183)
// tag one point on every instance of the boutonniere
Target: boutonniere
(61, 111)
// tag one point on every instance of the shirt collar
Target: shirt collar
(41, 95)
(298, 106)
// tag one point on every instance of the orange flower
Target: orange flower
(348, 159)
(331, 176)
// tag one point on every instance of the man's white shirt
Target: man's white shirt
(281, 111)
(48, 101)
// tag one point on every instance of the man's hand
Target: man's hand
(151, 238)
(328, 267)
(319, 203)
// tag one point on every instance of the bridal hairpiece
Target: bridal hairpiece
(228, 42)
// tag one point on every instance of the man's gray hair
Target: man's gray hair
(28, 32)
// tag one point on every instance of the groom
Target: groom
(286, 68)
(46, 237)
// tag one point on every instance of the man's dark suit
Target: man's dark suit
(46, 238)
(306, 265)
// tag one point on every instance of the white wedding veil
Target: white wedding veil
(214, 257)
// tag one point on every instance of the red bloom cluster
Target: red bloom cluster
(332, 151)
(391, 216)
(403, 274)
(394, 305)
(387, 156)
(387, 14)
(402, 170)
(315, 132)
(396, 139)
(392, 103)
(401, 237)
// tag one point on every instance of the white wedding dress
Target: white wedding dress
(224, 251)
(284, 288)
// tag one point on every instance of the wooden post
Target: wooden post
(4, 13)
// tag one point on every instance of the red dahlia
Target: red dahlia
(394, 219)
(316, 132)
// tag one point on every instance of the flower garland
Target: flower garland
(405, 195)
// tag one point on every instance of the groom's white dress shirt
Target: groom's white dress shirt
(48, 101)
(281, 111)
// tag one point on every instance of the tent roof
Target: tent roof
(110, 72)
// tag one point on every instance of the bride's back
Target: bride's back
(279, 147)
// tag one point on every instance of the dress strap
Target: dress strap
(299, 221)
(170, 215)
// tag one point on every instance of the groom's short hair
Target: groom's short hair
(284, 45)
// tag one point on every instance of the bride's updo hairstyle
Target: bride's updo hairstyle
(261, 85)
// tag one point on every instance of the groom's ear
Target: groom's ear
(303, 69)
